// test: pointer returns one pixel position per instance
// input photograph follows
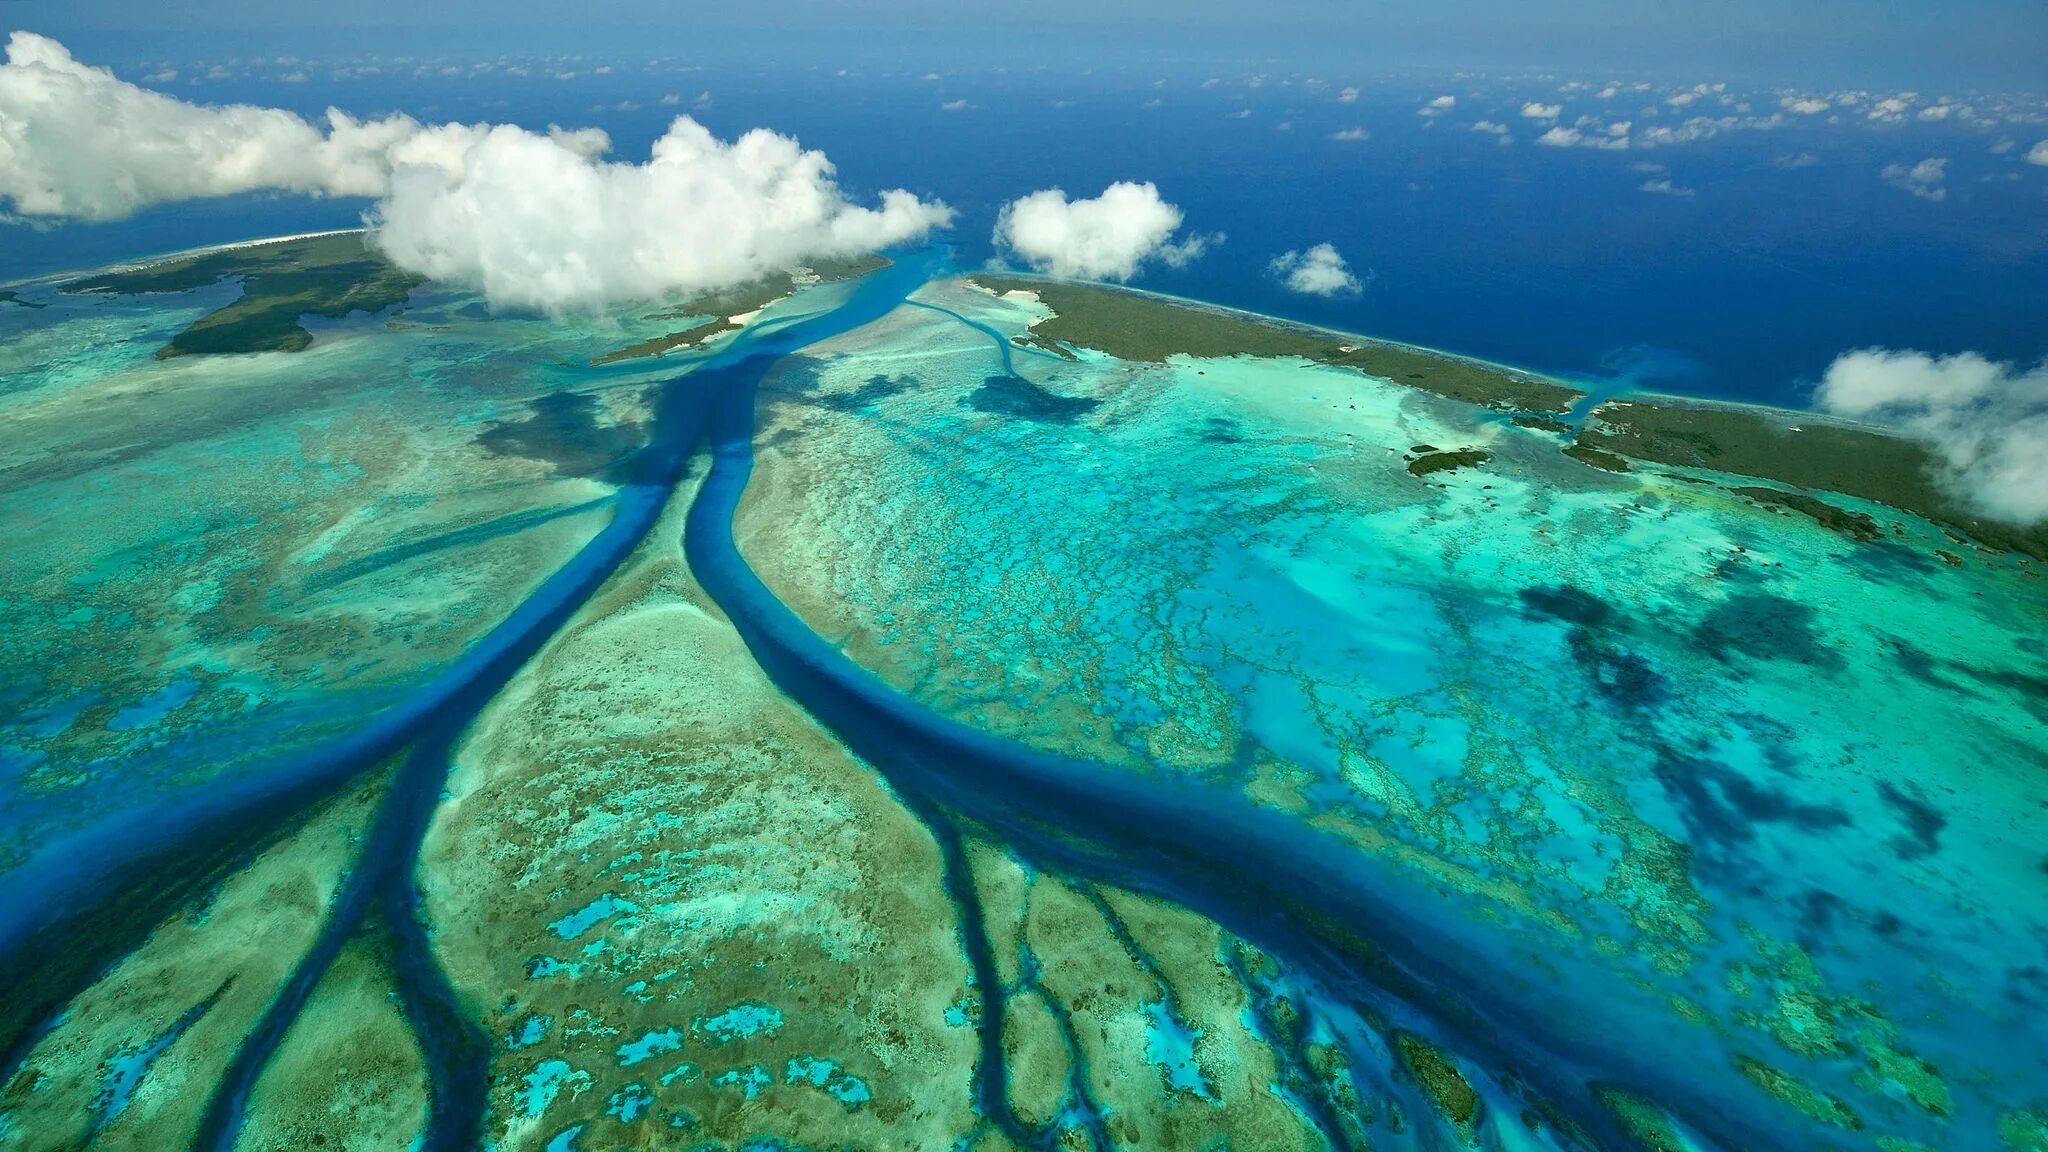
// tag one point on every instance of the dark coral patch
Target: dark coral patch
(1722, 806)
(1622, 677)
(1764, 627)
(563, 431)
(1923, 821)
(872, 391)
(1221, 430)
(1018, 397)
(1571, 604)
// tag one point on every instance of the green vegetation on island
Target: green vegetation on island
(283, 280)
(667, 343)
(1587, 454)
(1439, 1077)
(1853, 524)
(1132, 325)
(1803, 451)
(1545, 424)
(720, 306)
(1436, 461)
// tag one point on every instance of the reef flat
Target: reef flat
(1618, 711)
(887, 725)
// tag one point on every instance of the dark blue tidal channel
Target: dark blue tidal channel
(1306, 898)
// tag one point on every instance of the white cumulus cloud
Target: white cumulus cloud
(1923, 179)
(1351, 135)
(1318, 271)
(1987, 422)
(1438, 106)
(1109, 237)
(2038, 154)
(77, 142)
(534, 220)
(1535, 111)
(539, 225)
(1804, 105)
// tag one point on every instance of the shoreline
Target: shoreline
(1588, 387)
(1284, 322)
(146, 262)
(1597, 412)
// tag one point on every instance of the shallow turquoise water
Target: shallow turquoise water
(1630, 725)
(1657, 790)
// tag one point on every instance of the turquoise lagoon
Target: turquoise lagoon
(864, 732)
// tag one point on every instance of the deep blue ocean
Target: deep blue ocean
(1549, 258)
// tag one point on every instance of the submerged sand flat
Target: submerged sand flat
(1164, 751)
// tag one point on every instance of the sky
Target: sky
(1952, 43)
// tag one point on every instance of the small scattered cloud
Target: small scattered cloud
(1923, 179)
(1154, 102)
(2038, 154)
(1438, 107)
(670, 100)
(703, 102)
(1937, 111)
(1348, 96)
(1534, 111)
(1316, 271)
(1705, 128)
(955, 106)
(1560, 136)
(1797, 160)
(1240, 114)
(1987, 422)
(1804, 105)
(1351, 135)
(161, 76)
(1109, 237)
(1892, 110)
(1662, 186)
